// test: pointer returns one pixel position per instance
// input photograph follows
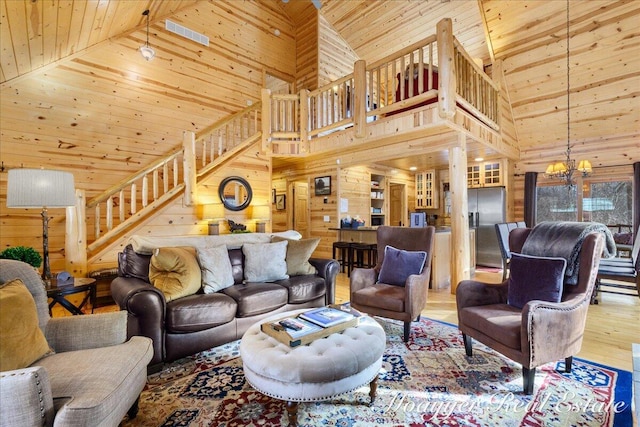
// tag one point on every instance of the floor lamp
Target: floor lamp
(40, 188)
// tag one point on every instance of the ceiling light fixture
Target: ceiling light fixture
(147, 51)
(564, 171)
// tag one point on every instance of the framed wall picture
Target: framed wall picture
(273, 196)
(323, 185)
(281, 201)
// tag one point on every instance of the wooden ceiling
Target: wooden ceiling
(73, 86)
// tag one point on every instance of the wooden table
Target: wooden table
(58, 294)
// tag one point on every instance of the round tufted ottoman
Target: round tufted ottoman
(325, 368)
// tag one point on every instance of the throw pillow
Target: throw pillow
(133, 264)
(399, 264)
(215, 266)
(535, 278)
(175, 271)
(22, 340)
(265, 262)
(298, 254)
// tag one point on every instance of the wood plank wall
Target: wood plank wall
(307, 51)
(104, 113)
(336, 58)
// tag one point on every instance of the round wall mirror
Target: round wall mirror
(235, 193)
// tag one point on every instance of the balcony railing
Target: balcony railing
(434, 70)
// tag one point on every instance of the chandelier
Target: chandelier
(147, 51)
(566, 170)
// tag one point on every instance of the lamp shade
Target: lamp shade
(261, 212)
(40, 188)
(213, 211)
(585, 167)
(147, 52)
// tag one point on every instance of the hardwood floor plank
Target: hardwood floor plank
(612, 325)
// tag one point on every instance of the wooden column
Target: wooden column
(360, 98)
(446, 70)
(189, 167)
(75, 244)
(266, 120)
(304, 121)
(460, 250)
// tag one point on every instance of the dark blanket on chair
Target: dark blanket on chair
(564, 239)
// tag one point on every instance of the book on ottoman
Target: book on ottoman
(327, 316)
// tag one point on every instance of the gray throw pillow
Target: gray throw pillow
(399, 264)
(265, 262)
(216, 268)
(535, 278)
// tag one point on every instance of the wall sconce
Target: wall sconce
(261, 213)
(214, 213)
(40, 188)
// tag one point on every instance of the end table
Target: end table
(58, 294)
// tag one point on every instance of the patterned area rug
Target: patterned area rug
(426, 382)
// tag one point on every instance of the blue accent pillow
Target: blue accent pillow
(399, 264)
(535, 278)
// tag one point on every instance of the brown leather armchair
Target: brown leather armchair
(540, 332)
(391, 301)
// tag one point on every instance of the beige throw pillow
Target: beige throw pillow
(298, 254)
(175, 271)
(22, 341)
(265, 262)
(215, 265)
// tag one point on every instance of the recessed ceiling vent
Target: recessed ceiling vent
(186, 33)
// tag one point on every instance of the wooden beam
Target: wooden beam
(360, 98)
(75, 244)
(190, 168)
(460, 250)
(446, 70)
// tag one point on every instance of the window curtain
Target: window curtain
(530, 182)
(635, 198)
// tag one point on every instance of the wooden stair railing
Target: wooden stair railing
(127, 203)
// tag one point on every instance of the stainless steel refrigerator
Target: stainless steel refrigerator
(487, 207)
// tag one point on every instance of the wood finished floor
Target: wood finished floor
(612, 325)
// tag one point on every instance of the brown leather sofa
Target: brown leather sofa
(194, 323)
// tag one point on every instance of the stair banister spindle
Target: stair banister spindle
(175, 172)
(145, 191)
(96, 224)
(133, 200)
(155, 184)
(165, 176)
(109, 218)
(121, 202)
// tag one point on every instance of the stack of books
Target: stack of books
(311, 325)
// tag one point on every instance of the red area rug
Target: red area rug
(426, 382)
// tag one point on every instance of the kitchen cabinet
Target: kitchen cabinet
(426, 190)
(485, 174)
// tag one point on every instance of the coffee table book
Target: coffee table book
(326, 316)
(310, 333)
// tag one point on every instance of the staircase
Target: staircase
(128, 203)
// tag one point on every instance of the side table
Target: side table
(58, 294)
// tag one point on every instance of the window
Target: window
(606, 202)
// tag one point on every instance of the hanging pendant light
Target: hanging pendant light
(147, 51)
(565, 171)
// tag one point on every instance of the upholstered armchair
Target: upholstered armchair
(87, 376)
(540, 331)
(396, 288)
